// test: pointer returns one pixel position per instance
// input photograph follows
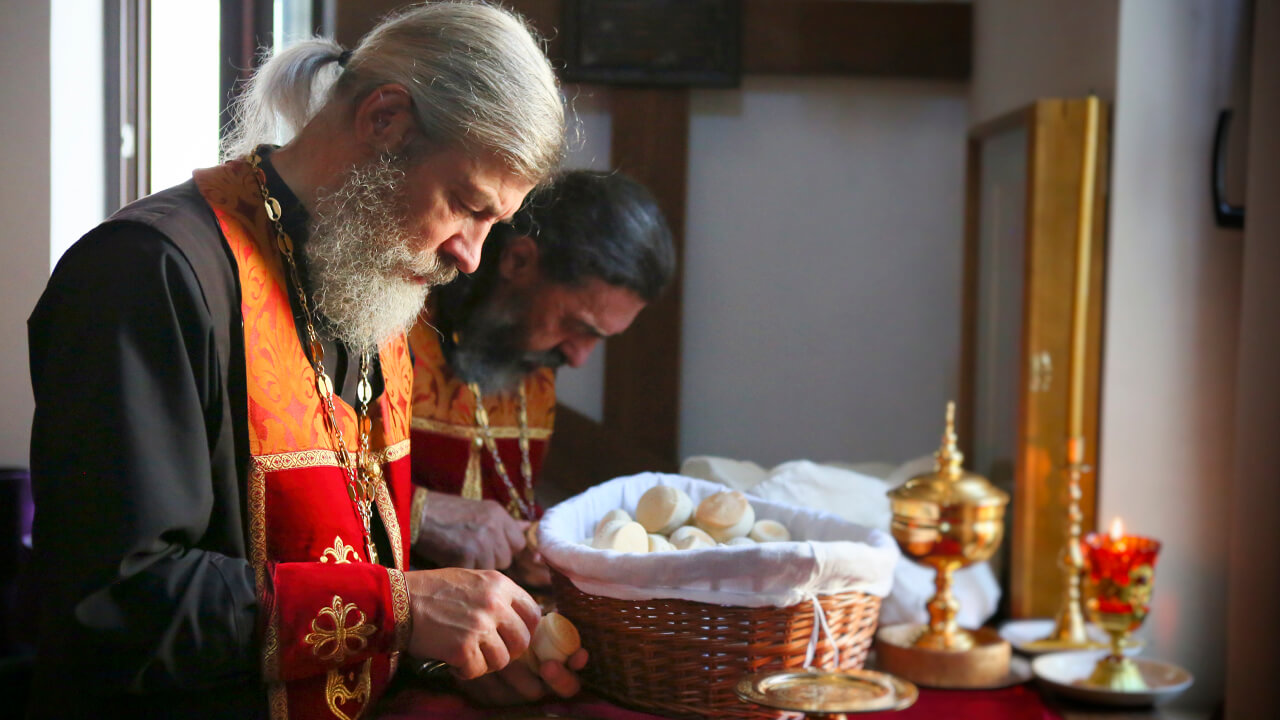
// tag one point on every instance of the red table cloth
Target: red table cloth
(1020, 702)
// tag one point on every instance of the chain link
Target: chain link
(518, 506)
(362, 472)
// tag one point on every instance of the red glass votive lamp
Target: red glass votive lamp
(1121, 570)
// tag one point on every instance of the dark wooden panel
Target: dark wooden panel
(582, 453)
(354, 18)
(829, 37)
(642, 365)
(805, 37)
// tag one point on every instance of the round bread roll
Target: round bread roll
(663, 508)
(555, 638)
(725, 515)
(769, 531)
(740, 541)
(612, 516)
(690, 538)
(622, 536)
(660, 543)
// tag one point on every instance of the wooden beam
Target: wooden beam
(788, 37)
(830, 37)
(642, 365)
(354, 18)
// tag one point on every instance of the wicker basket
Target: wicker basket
(682, 659)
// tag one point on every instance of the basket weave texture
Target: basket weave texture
(682, 659)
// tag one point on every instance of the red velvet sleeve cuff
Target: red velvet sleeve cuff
(323, 617)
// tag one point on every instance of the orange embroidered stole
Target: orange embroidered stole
(333, 625)
(449, 453)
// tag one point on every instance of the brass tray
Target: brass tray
(824, 692)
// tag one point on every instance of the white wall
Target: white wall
(1253, 625)
(24, 207)
(1172, 312)
(590, 138)
(822, 268)
(1029, 49)
(76, 141)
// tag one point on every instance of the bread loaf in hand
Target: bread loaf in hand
(555, 638)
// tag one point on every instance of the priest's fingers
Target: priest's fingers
(501, 553)
(527, 608)
(510, 686)
(559, 678)
(577, 660)
(474, 620)
(516, 534)
(494, 647)
(521, 679)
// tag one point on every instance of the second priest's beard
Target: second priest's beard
(490, 351)
(360, 261)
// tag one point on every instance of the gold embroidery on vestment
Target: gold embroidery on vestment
(472, 485)
(335, 690)
(299, 459)
(334, 644)
(278, 700)
(400, 606)
(339, 551)
(394, 452)
(467, 432)
(417, 508)
(387, 511)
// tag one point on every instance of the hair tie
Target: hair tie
(343, 57)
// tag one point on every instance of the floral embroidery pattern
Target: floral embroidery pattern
(336, 642)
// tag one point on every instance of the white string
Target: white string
(820, 626)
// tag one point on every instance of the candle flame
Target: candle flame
(1117, 529)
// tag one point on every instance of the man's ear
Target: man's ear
(518, 264)
(384, 120)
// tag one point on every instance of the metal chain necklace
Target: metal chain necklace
(363, 473)
(521, 505)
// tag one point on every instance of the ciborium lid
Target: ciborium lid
(949, 484)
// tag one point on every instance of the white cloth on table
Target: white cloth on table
(859, 498)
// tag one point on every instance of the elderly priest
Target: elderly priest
(222, 383)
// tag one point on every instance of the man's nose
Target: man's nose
(577, 351)
(465, 245)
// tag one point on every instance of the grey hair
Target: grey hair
(478, 79)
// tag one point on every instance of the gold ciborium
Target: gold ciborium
(947, 519)
(1118, 596)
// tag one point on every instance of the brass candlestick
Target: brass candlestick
(1068, 625)
(947, 519)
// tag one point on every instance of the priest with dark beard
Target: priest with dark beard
(575, 266)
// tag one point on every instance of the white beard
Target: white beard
(359, 259)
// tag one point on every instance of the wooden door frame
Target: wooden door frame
(1037, 514)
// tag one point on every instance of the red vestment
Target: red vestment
(333, 625)
(449, 454)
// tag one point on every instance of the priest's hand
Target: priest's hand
(479, 534)
(517, 683)
(530, 570)
(474, 620)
